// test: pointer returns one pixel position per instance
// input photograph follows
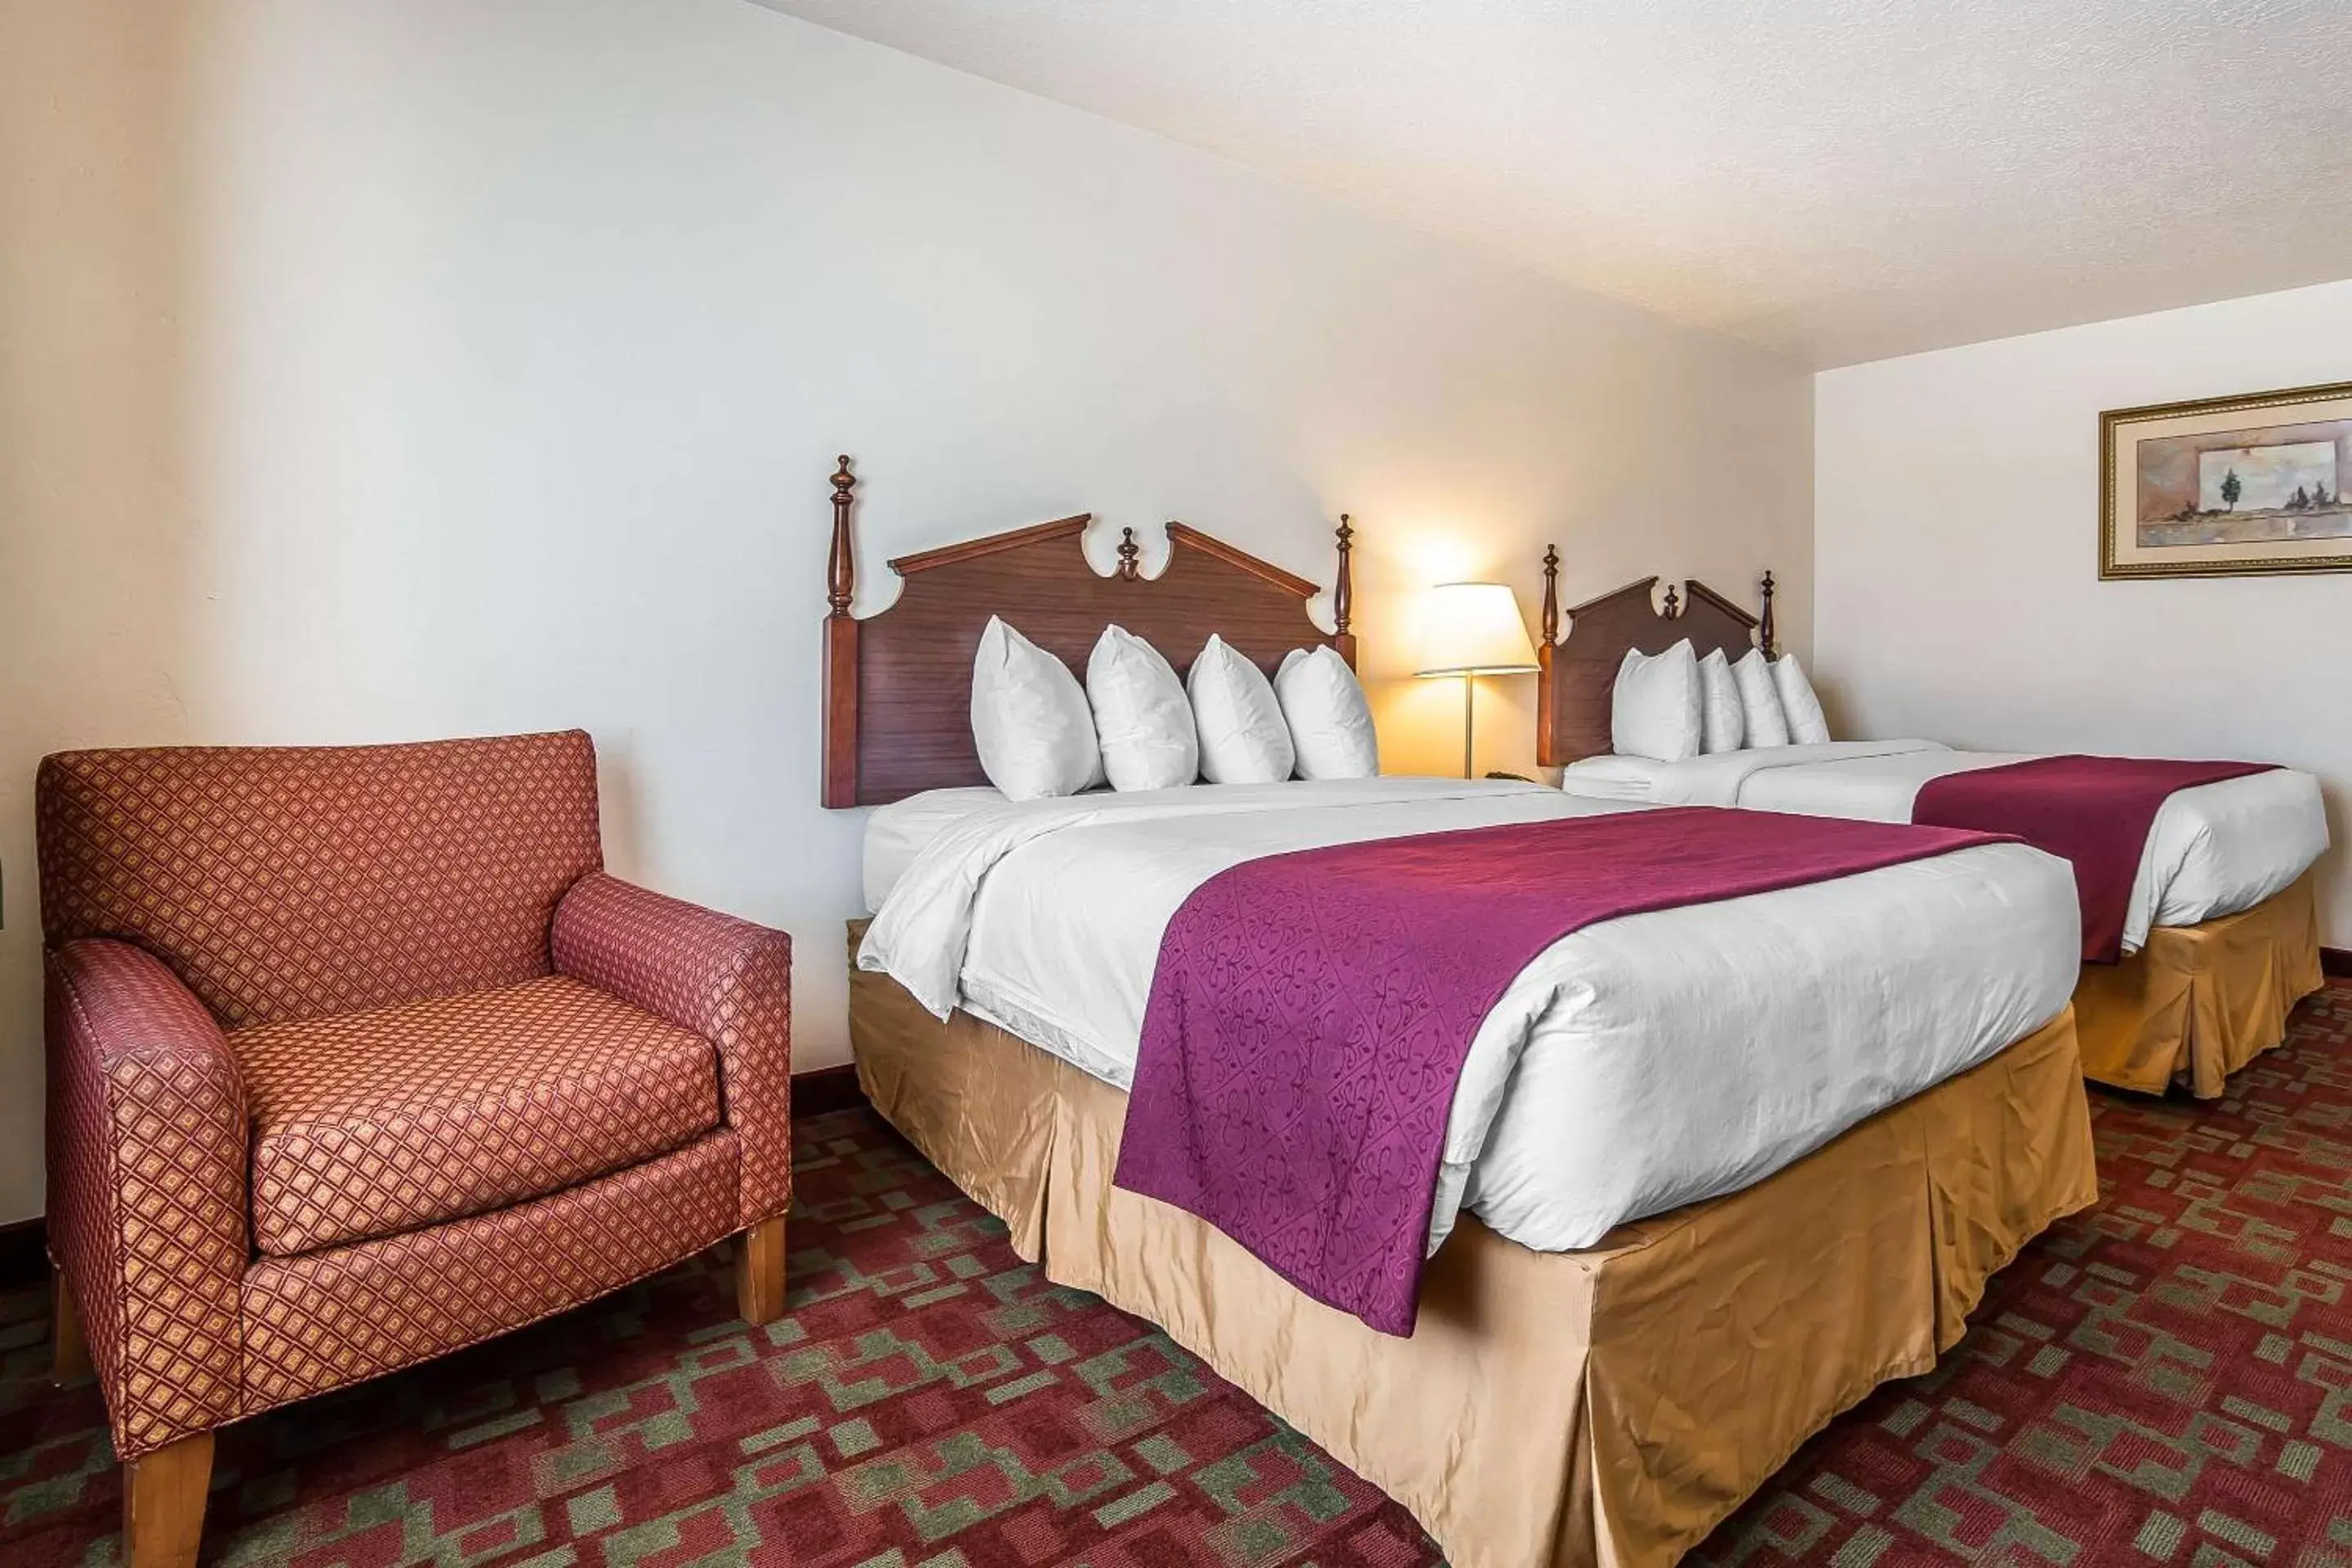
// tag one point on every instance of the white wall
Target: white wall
(400, 368)
(1957, 544)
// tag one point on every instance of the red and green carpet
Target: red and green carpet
(2167, 1380)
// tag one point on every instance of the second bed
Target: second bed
(2220, 937)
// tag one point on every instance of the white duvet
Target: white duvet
(1635, 1065)
(2212, 850)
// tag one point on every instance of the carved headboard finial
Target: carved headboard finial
(841, 567)
(1674, 602)
(1129, 553)
(1343, 586)
(1767, 633)
(1551, 596)
(1343, 594)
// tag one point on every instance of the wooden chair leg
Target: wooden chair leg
(759, 1272)
(72, 1348)
(164, 1504)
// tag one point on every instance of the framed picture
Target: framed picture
(2227, 486)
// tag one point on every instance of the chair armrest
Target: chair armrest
(727, 980)
(147, 1159)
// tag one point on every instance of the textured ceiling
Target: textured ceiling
(1837, 180)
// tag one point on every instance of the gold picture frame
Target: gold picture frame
(2195, 489)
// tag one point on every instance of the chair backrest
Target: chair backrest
(300, 881)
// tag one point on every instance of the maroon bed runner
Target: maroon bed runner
(2094, 812)
(1311, 1013)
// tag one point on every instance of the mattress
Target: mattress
(2213, 850)
(1633, 1067)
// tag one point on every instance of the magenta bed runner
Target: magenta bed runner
(1311, 1013)
(2094, 812)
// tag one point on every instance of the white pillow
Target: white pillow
(1029, 720)
(1723, 722)
(1243, 737)
(1142, 718)
(1655, 710)
(1331, 723)
(1798, 704)
(1759, 699)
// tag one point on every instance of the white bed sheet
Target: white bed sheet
(2212, 850)
(897, 833)
(1635, 1065)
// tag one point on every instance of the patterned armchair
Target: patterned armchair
(357, 1057)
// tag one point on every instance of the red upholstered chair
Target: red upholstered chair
(356, 1057)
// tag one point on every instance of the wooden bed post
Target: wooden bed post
(1343, 596)
(1766, 637)
(841, 650)
(1551, 596)
(1546, 647)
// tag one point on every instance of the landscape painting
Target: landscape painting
(2228, 486)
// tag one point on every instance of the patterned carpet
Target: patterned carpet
(2168, 1380)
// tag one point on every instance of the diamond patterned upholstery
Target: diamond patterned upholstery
(146, 1187)
(357, 1057)
(297, 881)
(383, 1121)
(727, 980)
(328, 1319)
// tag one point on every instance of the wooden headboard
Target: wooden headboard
(1576, 674)
(897, 684)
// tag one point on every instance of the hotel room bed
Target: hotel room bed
(1650, 1061)
(2220, 936)
(1807, 1124)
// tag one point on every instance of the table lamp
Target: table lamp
(1472, 629)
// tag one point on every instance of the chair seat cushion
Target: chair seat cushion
(372, 1123)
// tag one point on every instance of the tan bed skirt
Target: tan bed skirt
(1608, 1407)
(2199, 1002)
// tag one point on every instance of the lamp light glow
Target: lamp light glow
(1472, 629)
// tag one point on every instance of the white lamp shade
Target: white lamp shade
(1474, 628)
